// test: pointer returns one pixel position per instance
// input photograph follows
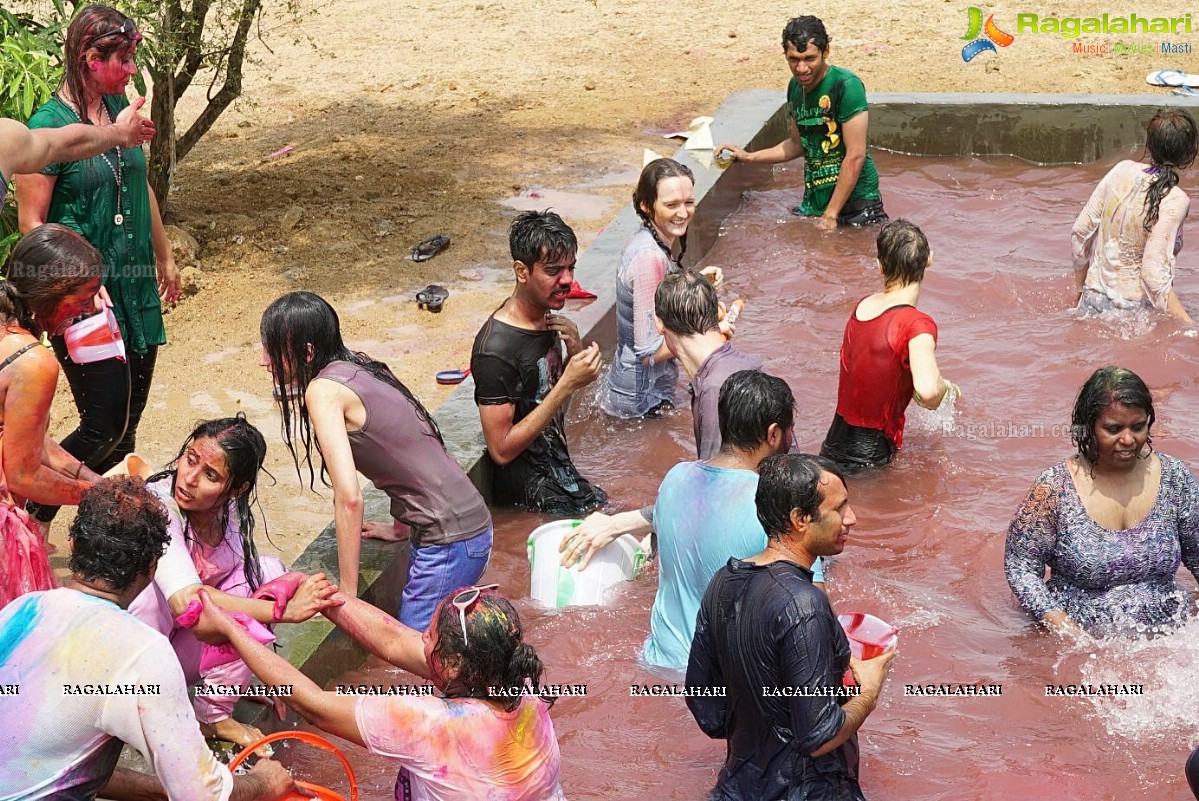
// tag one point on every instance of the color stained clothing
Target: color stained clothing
(1125, 264)
(767, 626)
(1103, 579)
(188, 562)
(705, 395)
(876, 374)
(703, 516)
(61, 741)
(24, 564)
(632, 389)
(86, 199)
(464, 749)
(518, 366)
(429, 491)
(820, 116)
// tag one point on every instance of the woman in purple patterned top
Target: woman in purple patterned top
(1112, 523)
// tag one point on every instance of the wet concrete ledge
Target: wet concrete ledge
(1046, 129)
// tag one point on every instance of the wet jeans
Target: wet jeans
(434, 571)
(110, 396)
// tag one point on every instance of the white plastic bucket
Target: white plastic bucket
(95, 338)
(557, 586)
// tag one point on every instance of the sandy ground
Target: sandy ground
(409, 119)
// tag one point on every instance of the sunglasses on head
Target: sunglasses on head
(127, 29)
(463, 601)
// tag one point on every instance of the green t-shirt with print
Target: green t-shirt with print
(820, 116)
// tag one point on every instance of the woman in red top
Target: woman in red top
(888, 357)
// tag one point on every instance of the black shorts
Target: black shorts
(854, 448)
(862, 212)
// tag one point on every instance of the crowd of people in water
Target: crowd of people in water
(170, 597)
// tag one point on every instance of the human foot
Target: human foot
(389, 532)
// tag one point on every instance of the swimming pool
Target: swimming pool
(928, 549)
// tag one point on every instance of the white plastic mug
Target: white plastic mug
(95, 338)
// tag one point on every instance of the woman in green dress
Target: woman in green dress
(108, 201)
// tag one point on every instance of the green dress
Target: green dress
(85, 200)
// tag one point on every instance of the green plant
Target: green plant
(30, 69)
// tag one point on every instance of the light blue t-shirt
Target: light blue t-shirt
(703, 516)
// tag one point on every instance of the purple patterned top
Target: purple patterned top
(1104, 579)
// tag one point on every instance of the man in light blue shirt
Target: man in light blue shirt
(706, 512)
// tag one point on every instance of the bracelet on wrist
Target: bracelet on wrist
(78, 470)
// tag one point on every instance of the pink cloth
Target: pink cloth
(221, 567)
(24, 565)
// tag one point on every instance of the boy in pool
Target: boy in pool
(828, 120)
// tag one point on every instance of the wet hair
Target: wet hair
(540, 236)
(686, 302)
(791, 481)
(1106, 386)
(49, 263)
(496, 655)
(750, 402)
(290, 326)
(86, 33)
(1172, 142)
(646, 194)
(118, 533)
(802, 31)
(245, 452)
(902, 252)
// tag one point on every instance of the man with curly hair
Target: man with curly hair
(81, 677)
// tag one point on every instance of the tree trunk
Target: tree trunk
(162, 146)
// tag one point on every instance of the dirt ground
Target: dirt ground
(420, 117)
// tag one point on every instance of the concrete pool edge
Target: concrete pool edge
(941, 124)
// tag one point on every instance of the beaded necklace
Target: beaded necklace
(117, 170)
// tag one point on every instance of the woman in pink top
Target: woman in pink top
(1129, 233)
(487, 736)
(209, 492)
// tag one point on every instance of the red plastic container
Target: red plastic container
(869, 637)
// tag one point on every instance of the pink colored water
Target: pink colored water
(928, 550)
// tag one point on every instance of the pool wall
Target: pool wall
(1046, 129)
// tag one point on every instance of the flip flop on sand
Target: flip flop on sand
(432, 297)
(1172, 77)
(430, 247)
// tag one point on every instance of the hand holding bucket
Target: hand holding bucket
(869, 637)
(313, 740)
(95, 338)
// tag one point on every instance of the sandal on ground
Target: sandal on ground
(430, 247)
(432, 297)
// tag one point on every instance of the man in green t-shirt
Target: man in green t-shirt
(828, 120)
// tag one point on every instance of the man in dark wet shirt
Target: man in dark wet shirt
(770, 638)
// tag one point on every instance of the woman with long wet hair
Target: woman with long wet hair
(1127, 237)
(107, 200)
(209, 491)
(365, 420)
(1112, 523)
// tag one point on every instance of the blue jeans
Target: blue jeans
(434, 571)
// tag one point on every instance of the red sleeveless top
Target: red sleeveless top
(876, 375)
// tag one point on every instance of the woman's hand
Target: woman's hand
(314, 595)
(169, 283)
(212, 619)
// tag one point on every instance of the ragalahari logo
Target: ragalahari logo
(991, 35)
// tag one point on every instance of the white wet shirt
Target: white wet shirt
(87, 672)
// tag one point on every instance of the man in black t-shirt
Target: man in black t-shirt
(523, 381)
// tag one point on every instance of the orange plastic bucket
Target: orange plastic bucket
(314, 740)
